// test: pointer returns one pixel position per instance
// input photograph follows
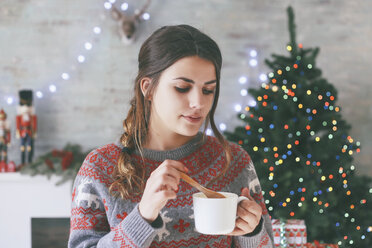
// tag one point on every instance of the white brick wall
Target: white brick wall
(40, 39)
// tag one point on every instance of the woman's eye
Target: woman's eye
(182, 90)
(207, 92)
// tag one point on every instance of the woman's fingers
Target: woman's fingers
(246, 215)
(249, 213)
(167, 194)
(172, 168)
(251, 207)
(175, 164)
(166, 182)
(242, 226)
(167, 174)
(161, 186)
(247, 227)
(237, 232)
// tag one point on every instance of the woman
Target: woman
(129, 194)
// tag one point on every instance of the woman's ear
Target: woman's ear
(145, 84)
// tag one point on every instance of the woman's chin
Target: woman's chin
(189, 132)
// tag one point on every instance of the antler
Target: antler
(142, 10)
(128, 24)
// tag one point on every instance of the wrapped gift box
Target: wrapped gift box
(293, 230)
(316, 244)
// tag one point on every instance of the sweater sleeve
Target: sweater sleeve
(262, 238)
(89, 225)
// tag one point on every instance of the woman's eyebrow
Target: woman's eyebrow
(192, 81)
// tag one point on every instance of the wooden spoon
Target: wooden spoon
(207, 192)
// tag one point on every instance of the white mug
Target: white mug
(216, 216)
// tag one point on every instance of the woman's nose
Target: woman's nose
(196, 100)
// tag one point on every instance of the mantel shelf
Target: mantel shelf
(18, 177)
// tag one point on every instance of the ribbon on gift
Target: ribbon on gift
(283, 239)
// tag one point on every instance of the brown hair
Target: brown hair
(163, 48)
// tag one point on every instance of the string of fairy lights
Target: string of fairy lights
(288, 92)
(243, 81)
(52, 87)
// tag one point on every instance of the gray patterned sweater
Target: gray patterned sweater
(99, 219)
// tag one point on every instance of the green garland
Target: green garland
(64, 163)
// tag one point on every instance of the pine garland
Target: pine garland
(64, 163)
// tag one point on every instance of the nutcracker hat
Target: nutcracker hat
(25, 97)
(2, 115)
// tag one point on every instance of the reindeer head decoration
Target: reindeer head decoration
(128, 24)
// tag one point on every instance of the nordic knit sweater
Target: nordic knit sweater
(99, 219)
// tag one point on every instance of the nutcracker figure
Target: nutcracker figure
(26, 125)
(4, 136)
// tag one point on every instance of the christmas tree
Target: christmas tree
(302, 151)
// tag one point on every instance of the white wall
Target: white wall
(23, 197)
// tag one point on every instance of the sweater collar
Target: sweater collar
(174, 154)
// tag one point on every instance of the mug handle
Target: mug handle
(241, 198)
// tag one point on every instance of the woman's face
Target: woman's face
(183, 97)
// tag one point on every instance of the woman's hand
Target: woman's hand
(160, 187)
(249, 215)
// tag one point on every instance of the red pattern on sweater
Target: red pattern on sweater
(91, 220)
(223, 243)
(200, 241)
(120, 236)
(73, 194)
(122, 216)
(264, 241)
(181, 226)
(91, 171)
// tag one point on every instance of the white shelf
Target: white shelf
(13, 176)
(18, 177)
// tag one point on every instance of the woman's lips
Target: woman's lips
(192, 119)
